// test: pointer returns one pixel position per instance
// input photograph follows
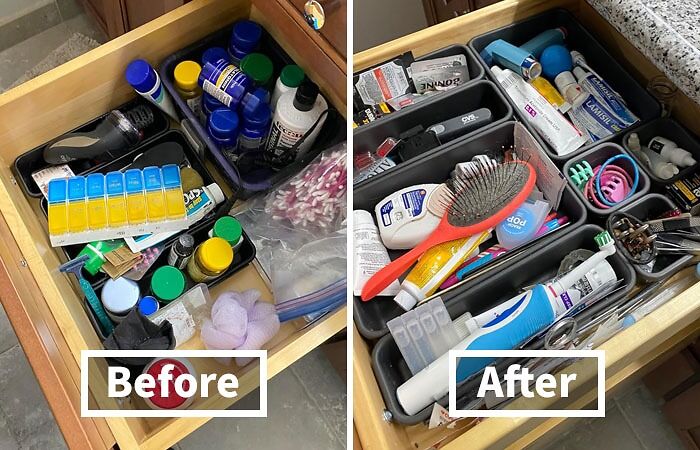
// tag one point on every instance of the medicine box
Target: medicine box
(116, 205)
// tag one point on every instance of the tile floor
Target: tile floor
(309, 397)
(633, 421)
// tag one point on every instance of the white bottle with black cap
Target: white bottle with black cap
(295, 114)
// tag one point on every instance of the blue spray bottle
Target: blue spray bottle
(528, 314)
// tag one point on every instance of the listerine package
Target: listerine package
(686, 191)
(382, 82)
(370, 114)
(439, 74)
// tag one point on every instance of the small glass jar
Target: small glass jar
(211, 259)
(665, 92)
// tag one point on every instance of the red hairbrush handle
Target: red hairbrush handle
(380, 280)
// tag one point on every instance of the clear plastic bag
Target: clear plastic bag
(299, 233)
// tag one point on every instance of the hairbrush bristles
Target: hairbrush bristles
(475, 198)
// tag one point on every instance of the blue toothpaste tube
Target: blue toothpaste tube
(145, 80)
(605, 95)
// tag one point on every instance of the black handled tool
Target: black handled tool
(116, 134)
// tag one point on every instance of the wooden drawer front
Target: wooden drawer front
(44, 305)
(629, 354)
(335, 29)
(302, 43)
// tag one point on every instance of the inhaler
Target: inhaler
(520, 318)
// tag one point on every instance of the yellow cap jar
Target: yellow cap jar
(186, 74)
(210, 260)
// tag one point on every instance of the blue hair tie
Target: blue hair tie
(602, 169)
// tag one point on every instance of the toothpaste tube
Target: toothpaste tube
(559, 133)
(549, 92)
(605, 95)
(198, 203)
(472, 264)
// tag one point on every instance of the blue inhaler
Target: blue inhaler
(511, 57)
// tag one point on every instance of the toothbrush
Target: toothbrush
(524, 316)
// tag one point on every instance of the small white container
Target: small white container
(370, 254)
(290, 78)
(405, 218)
(119, 297)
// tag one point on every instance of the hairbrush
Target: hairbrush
(473, 204)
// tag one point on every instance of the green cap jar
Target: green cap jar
(228, 229)
(167, 283)
(258, 67)
(292, 75)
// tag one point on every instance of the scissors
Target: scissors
(565, 334)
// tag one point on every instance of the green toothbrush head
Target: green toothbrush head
(605, 242)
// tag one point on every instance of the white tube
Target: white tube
(198, 203)
(370, 254)
(550, 123)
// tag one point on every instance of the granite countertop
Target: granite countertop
(666, 31)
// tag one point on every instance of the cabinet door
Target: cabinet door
(108, 15)
(139, 12)
(483, 3)
(335, 28)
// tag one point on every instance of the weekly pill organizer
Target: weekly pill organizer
(116, 205)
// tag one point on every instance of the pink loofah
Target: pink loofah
(240, 321)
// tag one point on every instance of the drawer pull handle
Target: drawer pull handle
(315, 12)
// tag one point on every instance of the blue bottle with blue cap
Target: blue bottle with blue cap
(97, 205)
(245, 38)
(146, 82)
(225, 82)
(213, 54)
(255, 129)
(148, 305)
(77, 205)
(223, 129)
(209, 104)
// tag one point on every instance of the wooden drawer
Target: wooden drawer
(43, 305)
(628, 355)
